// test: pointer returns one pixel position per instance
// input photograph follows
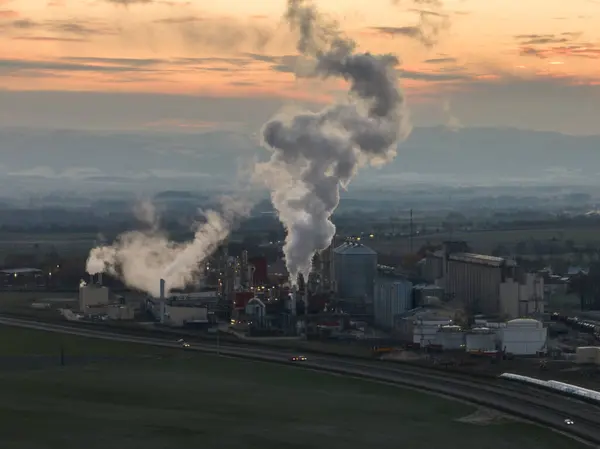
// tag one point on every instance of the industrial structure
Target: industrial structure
(484, 284)
(354, 271)
(393, 297)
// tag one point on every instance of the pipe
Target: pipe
(162, 289)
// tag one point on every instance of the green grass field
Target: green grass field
(159, 398)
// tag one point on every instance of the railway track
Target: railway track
(534, 404)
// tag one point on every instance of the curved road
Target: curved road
(527, 402)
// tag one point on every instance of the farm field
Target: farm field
(112, 394)
(485, 241)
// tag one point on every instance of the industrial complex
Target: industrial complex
(455, 303)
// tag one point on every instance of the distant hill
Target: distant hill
(166, 161)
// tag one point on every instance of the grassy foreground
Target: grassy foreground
(150, 398)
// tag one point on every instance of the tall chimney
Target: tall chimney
(100, 278)
(293, 300)
(162, 289)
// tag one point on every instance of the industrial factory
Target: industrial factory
(455, 302)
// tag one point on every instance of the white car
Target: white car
(569, 422)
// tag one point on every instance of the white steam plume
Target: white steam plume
(314, 154)
(141, 258)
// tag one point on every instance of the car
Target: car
(298, 358)
(185, 344)
(569, 422)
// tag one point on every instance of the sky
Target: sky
(230, 64)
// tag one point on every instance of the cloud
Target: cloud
(49, 39)
(116, 61)
(445, 60)
(537, 45)
(8, 14)
(432, 21)
(177, 20)
(225, 34)
(540, 39)
(130, 2)
(431, 76)
(581, 51)
(14, 66)
(59, 30)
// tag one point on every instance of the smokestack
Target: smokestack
(162, 289)
(100, 278)
(293, 300)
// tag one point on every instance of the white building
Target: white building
(421, 329)
(523, 337)
(170, 313)
(522, 299)
(392, 298)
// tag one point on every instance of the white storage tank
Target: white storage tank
(588, 355)
(425, 330)
(524, 336)
(480, 339)
(450, 337)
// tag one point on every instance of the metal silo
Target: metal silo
(355, 268)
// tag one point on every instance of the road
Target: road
(537, 405)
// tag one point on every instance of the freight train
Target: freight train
(564, 388)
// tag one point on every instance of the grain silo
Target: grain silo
(354, 271)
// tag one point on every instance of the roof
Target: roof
(21, 271)
(524, 322)
(354, 249)
(478, 259)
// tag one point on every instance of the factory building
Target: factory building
(392, 298)
(475, 279)
(92, 295)
(354, 271)
(523, 296)
(484, 284)
(174, 314)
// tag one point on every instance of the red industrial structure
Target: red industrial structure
(260, 276)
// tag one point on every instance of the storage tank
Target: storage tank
(355, 269)
(524, 336)
(480, 339)
(392, 298)
(450, 337)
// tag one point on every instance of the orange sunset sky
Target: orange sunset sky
(525, 63)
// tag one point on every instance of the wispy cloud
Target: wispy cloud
(130, 2)
(581, 51)
(445, 60)
(433, 76)
(14, 66)
(49, 39)
(8, 14)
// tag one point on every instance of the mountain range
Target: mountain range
(95, 160)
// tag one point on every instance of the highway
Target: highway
(527, 402)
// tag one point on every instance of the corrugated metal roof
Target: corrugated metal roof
(354, 249)
(477, 258)
(21, 271)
